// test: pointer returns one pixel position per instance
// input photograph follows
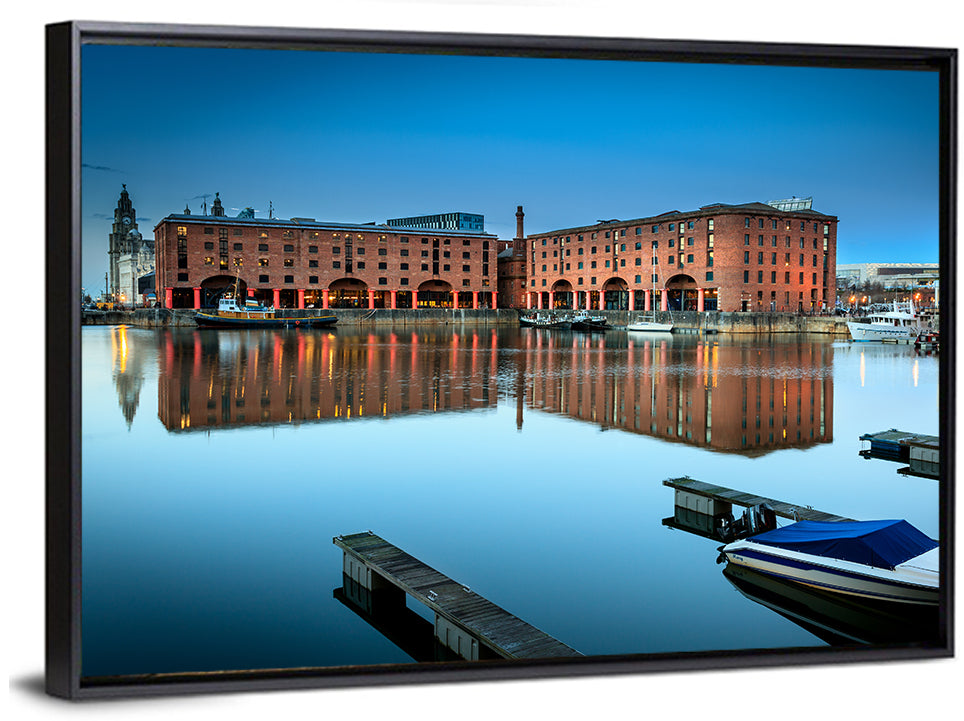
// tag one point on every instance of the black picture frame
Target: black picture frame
(63, 401)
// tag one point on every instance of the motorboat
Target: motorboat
(901, 323)
(545, 320)
(582, 320)
(885, 560)
(249, 313)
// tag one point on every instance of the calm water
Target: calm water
(219, 465)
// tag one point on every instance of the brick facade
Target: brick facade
(301, 263)
(750, 257)
(513, 279)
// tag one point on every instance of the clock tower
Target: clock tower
(121, 240)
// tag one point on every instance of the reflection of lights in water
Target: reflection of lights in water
(120, 348)
(915, 371)
(716, 364)
(863, 369)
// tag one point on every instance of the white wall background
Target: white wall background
(894, 690)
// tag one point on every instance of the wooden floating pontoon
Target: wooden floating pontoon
(709, 499)
(463, 619)
(895, 445)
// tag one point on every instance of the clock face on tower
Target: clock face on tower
(126, 220)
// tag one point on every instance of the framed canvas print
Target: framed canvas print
(381, 357)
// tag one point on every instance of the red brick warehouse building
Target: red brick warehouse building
(301, 262)
(750, 257)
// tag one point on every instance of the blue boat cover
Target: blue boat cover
(882, 544)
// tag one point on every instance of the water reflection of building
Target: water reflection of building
(128, 372)
(211, 379)
(742, 397)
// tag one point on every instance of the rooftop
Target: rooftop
(312, 223)
(704, 211)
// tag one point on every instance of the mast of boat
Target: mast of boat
(237, 282)
(652, 275)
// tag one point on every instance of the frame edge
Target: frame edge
(62, 360)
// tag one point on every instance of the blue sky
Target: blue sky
(366, 137)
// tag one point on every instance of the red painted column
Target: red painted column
(394, 299)
(414, 299)
(539, 306)
(475, 300)
(664, 301)
(197, 299)
(551, 300)
(455, 299)
(168, 297)
(324, 299)
(648, 299)
(495, 299)
(700, 299)
(251, 292)
(371, 299)
(277, 297)
(528, 300)
(632, 300)
(301, 298)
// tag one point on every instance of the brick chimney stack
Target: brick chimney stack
(519, 215)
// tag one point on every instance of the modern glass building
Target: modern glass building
(442, 221)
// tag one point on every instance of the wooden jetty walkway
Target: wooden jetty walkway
(463, 619)
(718, 499)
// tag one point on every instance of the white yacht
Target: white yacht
(648, 323)
(650, 326)
(899, 324)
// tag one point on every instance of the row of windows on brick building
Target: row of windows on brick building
(315, 280)
(690, 225)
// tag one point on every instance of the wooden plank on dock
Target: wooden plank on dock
(729, 495)
(505, 634)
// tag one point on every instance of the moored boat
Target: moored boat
(928, 340)
(650, 326)
(582, 320)
(888, 560)
(901, 323)
(545, 320)
(648, 323)
(231, 313)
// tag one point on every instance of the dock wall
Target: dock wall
(380, 317)
(684, 321)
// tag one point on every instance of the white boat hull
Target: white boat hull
(880, 331)
(915, 582)
(649, 326)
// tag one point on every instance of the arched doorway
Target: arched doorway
(214, 287)
(615, 294)
(435, 294)
(682, 293)
(348, 293)
(562, 297)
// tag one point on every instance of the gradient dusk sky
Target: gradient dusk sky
(360, 137)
